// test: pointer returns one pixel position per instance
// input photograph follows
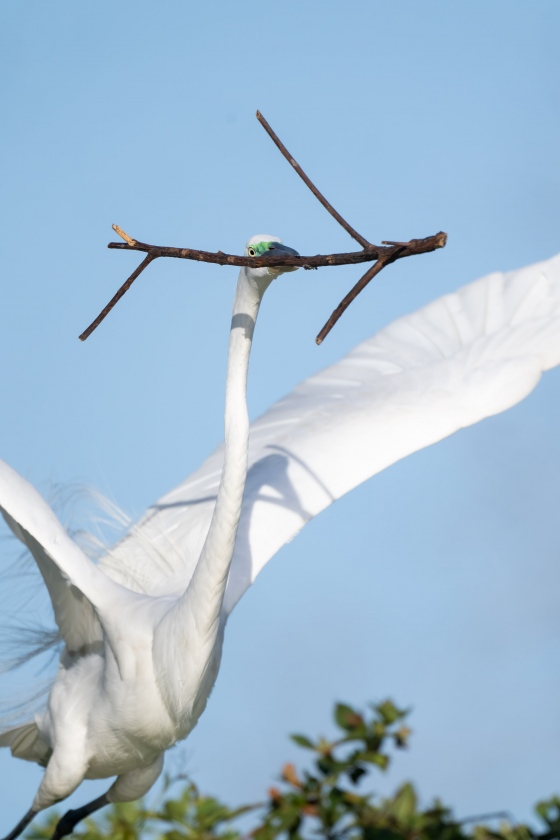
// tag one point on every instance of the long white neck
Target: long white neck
(207, 587)
(188, 633)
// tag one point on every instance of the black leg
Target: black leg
(21, 825)
(71, 818)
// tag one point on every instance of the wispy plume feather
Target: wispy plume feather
(29, 638)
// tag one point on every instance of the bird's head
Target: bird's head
(264, 245)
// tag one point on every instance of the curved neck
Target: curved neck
(197, 614)
(207, 587)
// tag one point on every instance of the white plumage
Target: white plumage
(464, 357)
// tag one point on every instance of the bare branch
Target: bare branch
(326, 204)
(382, 255)
(386, 257)
(352, 295)
(219, 258)
(372, 252)
(115, 299)
(493, 815)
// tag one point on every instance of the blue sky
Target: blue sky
(436, 583)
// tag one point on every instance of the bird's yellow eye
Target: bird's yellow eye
(252, 252)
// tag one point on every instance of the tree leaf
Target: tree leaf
(303, 741)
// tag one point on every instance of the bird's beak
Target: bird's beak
(277, 249)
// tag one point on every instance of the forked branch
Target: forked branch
(380, 255)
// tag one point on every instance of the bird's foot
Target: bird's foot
(22, 824)
(68, 822)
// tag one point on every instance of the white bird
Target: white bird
(137, 669)
(144, 628)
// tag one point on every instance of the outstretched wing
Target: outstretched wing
(76, 587)
(464, 357)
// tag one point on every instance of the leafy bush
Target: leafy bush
(323, 801)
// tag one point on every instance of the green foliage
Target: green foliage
(188, 816)
(323, 801)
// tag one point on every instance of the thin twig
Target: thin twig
(128, 239)
(386, 257)
(492, 815)
(327, 205)
(345, 303)
(115, 299)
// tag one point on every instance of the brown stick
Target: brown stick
(372, 252)
(382, 255)
(389, 255)
(115, 299)
(326, 204)
(352, 295)
(219, 258)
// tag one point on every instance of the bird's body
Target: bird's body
(144, 628)
(137, 669)
(115, 718)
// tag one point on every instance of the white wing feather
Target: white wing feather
(464, 357)
(78, 590)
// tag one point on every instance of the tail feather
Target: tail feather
(26, 742)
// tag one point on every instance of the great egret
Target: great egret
(137, 670)
(143, 628)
